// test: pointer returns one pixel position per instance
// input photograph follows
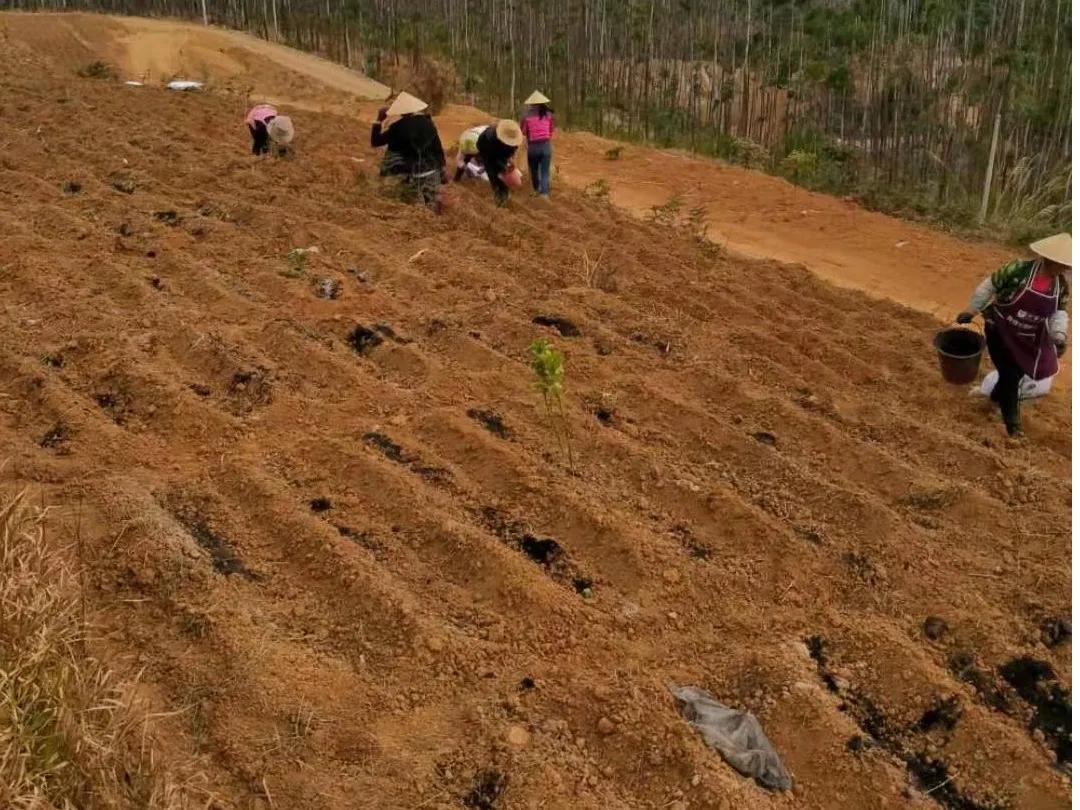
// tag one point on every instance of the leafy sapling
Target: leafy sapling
(547, 366)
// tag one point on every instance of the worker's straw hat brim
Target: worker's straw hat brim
(281, 130)
(508, 132)
(1055, 248)
(537, 98)
(404, 104)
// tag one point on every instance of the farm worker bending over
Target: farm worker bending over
(468, 156)
(1024, 307)
(538, 126)
(266, 126)
(413, 149)
(496, 146)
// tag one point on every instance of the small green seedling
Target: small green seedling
(548, 368)
(298, 261)
(599, 190)
(668, 213)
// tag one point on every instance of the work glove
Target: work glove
(965, 317)
(382, 114)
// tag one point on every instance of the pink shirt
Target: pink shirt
(538, 129)
(260, 112)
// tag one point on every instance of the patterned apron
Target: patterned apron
(1022, 326)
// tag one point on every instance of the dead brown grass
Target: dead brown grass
(69, 734)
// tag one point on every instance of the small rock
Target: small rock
(934, 628)
(671, 575)
(517, 736)
(605, 726)
(434, 643)
(490, 296)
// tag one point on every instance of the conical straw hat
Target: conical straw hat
(1055, 248)
(404, 104)
(537, 98)
(509, 132)
(281, 130)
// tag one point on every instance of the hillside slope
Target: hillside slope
(338, 539)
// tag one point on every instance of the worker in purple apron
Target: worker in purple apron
(1024, 306)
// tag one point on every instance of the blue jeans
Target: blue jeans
(540, 166)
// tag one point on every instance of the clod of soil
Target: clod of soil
(363, 340)
(487, 790)
(320, 505)
(200, 389)
(55, 436)
(385, 445)
(857, 744)
(944, 713)
(123, 185)
(53, 360)
(329, 288)
(934, 628)
(582, 585)
(1037, 685)
(563, 326)
(168, 217)
(491, 421)
(1055, 630)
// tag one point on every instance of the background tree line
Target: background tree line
(959, 109)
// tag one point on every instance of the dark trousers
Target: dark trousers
(260, 139)
(1007, 391)
(540, 166)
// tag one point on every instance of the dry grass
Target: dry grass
(69, 738)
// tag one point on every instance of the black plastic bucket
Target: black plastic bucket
(960, 354)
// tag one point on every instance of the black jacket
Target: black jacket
(496, 155)
(413, 141)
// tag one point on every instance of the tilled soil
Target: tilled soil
(339, 539)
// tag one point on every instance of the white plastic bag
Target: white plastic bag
(1029, 388)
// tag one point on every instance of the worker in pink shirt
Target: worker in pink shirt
(266, 127)
(538, 126)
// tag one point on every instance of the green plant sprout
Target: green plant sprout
(668, 213)
(298, 261)
(547, 366)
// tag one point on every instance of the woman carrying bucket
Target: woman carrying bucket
(496, 147)
(1024, 307)
(538, 126)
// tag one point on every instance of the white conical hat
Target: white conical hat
(404, 104)
(1055, 248)
(537, 98)
(281, 130)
